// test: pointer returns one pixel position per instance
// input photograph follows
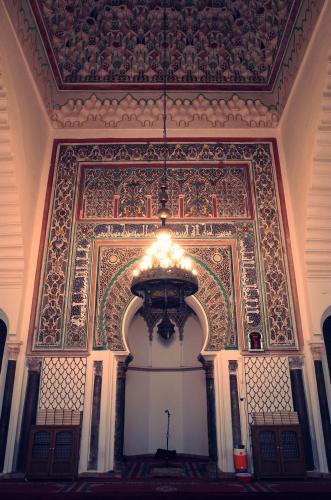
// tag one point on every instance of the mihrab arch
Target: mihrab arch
(214, 304)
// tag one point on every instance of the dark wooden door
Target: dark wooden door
(40, 454)
(291, 451)
(278, 451)
(53, 452)
(64, 452)
(267, 453)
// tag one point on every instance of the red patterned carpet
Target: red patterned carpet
(104, 487)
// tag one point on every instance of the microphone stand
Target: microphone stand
(168, 426)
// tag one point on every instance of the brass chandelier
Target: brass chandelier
(165, 276)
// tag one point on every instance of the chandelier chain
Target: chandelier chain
(165, 75)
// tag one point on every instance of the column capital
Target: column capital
(233, 366)
(316, 351)
(13, 350)
(97, 368)
(208, 365)
(34, 363)
(122, 365)
(296, 362)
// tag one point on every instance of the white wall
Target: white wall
(151, 391)
(25, 158)
(301, 137)
(300, 120)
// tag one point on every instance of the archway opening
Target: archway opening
(327, 340)
(3, 336)
(165, 375)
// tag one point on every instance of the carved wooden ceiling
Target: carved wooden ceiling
(211, 44)
(99, 63)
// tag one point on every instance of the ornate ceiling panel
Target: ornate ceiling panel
(218, 44)
(97, 63)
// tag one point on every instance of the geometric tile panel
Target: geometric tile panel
(268, 385)
(63, 383)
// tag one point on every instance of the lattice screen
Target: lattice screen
(268, 384)
(63, 383)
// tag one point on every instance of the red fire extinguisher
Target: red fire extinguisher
(240, 458)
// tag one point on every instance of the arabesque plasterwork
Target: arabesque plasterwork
(216, 294)
(67, 291)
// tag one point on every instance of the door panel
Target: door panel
(41, 452)
(63, 458)
(269, 456)
(292, 461)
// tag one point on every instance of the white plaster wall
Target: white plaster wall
(305, 159)
(299, 126)
(29, 123)
(149, 393)
(300, 119)
(28, 157)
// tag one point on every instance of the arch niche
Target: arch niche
(213, 319)
(165, 375)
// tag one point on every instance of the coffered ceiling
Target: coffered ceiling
(101, 62)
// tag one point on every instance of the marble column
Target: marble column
(300, 406)
(122, 366)
(13, 351)
(95, 420)
(235, 411)
(208, 366)
(30, 409)
(323, 401)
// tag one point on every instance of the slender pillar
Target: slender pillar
(323, 401)
(95, 421)
(122, 367)
(30, 409)
(208, 365)
(300, 406)
(13, 351)
(235, 412)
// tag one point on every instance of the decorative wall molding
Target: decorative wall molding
(316, 351)
(34, 363)
(233, 366)
(198, 112)
(13, 350)
(318, 225)
(296, 362)
(11, 240)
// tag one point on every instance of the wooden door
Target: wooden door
(64, 452)
(40, 455)
(266, 452)
(291, 451)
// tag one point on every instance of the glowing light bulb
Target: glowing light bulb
(165, 263)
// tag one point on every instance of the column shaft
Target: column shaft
(235, 412)
(95, 421)
(6, 408)
(324, 409)
(300, 406)
(29, 417)
(122, 367)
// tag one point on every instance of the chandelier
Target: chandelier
(165, 276)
